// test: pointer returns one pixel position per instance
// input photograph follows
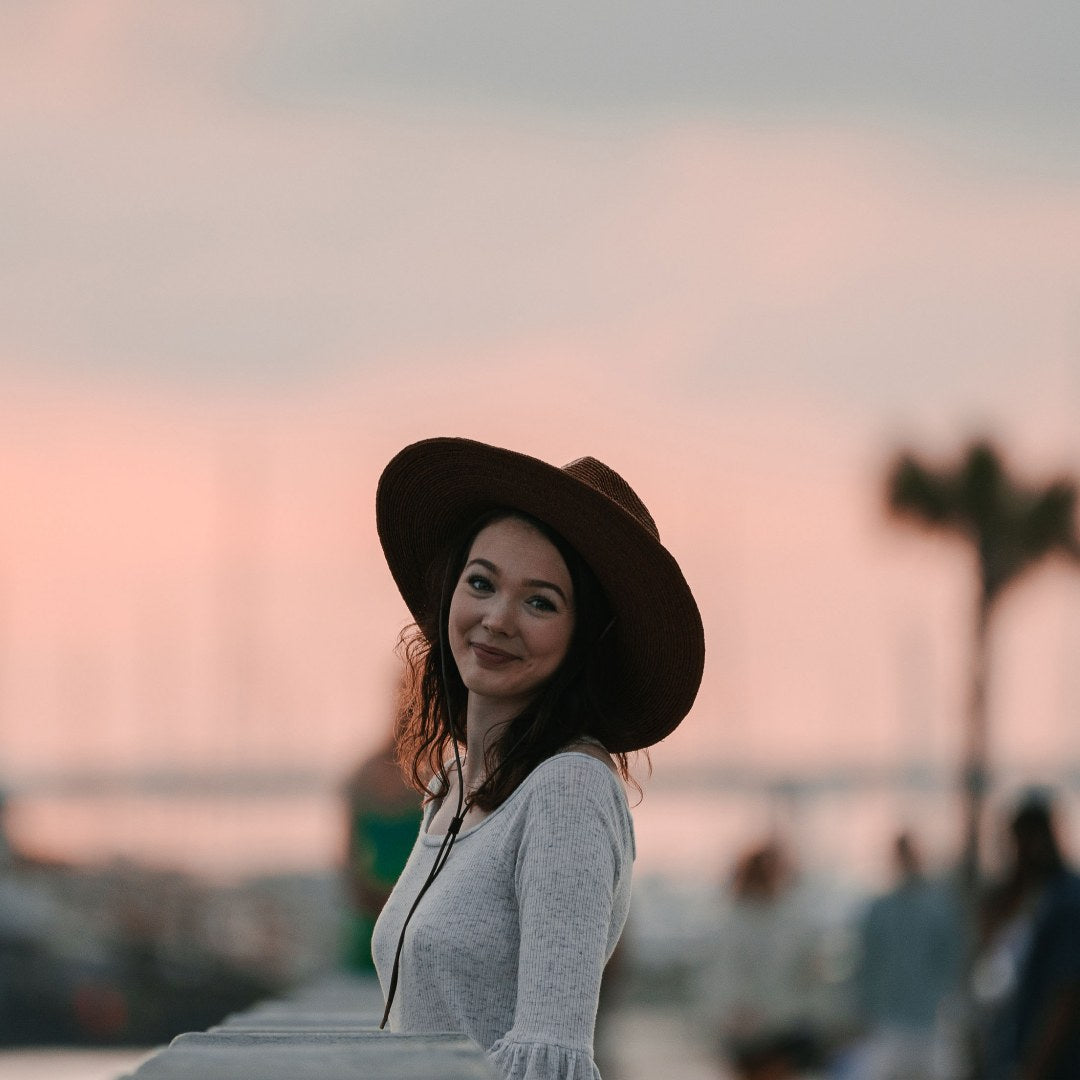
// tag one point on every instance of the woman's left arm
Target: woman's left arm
(573, 883)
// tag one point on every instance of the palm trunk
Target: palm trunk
(974, 787)
(976, 752)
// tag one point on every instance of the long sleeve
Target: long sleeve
(575, 849)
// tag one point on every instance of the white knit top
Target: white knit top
(509, 943)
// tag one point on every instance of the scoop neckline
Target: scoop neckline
(434, 839)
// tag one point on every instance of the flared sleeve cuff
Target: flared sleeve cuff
(515, 1060)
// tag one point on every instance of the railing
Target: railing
(326, 1031)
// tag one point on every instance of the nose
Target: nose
(498, 616)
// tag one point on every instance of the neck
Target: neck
(484, 720)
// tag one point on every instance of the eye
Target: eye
(478, 583)
(541, 603)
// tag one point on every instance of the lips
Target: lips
(487, 656)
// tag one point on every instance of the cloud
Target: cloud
(967, 59)
(170, 212)
(964, 57)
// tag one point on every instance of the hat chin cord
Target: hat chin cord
(452, 829)
(455, 822)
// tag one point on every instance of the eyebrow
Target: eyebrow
(532, 583)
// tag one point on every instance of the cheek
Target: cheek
(459, 614)
(455, 618)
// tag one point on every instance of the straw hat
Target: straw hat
(433, 490)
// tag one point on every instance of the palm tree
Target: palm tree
(1011, 528)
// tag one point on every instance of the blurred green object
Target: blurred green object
(384, 818)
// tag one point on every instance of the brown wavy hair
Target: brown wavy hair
(574, 702)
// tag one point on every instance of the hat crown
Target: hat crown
(609, 483)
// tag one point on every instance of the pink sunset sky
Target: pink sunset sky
(251, 253)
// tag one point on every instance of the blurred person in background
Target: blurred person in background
(1028, 976)
(383, 816)
(756, 988)
(911, 942)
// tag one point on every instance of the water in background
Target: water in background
(684, 832)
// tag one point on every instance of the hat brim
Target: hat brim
(433, 490)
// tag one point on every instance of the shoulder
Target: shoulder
(593, 748)
(585, 767)
(576, 791)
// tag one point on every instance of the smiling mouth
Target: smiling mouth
(489, 656)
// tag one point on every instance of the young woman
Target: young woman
(554, 635)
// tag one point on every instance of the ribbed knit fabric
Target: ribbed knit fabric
(509, 943)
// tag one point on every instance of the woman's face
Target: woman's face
(511, 614)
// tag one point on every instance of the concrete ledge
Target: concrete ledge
(315, 1035)
(372, 1055)
(331, 1021)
